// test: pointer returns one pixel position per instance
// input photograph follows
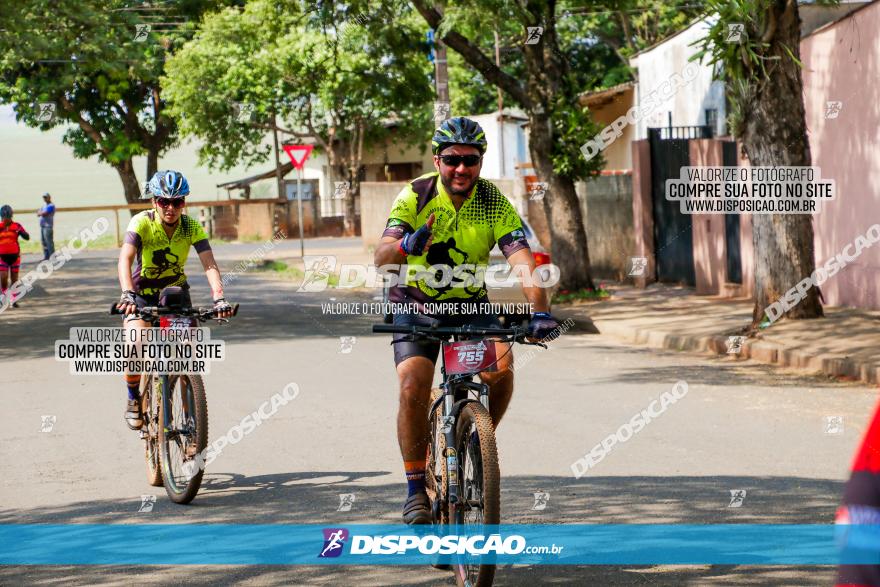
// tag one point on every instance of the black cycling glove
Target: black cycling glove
(542, 325)
(414, 242)
(127, 297)
(221, 305)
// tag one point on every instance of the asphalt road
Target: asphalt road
(740, 426)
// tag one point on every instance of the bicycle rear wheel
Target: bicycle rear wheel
(150, 408)
(480, 486)
(185, 438)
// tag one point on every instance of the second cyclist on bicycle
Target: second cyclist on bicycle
(157, 244)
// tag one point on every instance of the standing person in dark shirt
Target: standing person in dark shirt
(47, 225)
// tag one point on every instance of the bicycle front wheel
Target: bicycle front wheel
(480, 486)
(185, 436)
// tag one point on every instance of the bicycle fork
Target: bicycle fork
(451, 408)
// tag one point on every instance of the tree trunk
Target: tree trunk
(356, 150)
(152, 162)
(568, 245)
(568, 242)
(775, 134)
(130, 184)
(354, 190)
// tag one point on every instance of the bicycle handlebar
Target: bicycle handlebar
(446, 330)
(148, 312)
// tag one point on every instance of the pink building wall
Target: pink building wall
(842, 63)
(709, 244)
(643, 212)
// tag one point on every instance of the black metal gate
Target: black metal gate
(731, 224)
(673, 238)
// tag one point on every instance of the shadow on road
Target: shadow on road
(313, 498)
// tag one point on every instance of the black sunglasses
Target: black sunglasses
(456, 160)
(176, 202)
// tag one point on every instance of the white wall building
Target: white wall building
(700, 102)
(515, 145)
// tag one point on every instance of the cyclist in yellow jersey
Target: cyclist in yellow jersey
(157, 243)
(451, 217)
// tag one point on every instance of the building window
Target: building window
(712, 120)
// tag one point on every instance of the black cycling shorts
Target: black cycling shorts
(431, 350)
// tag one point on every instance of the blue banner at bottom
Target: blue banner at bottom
(364, 544)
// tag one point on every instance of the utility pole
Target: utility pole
(441, 77)
(500, 107)
(278, 179)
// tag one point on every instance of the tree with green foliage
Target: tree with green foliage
(765, 87)
(100, 68)
(548, 91)
(343, 76)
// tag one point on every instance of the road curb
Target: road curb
(757, 350)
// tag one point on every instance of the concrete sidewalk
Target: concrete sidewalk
(842, 344)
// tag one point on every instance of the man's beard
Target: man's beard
(463, 193)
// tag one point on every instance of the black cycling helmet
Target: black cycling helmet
(167, 184)
(6, 212)
(458, 131)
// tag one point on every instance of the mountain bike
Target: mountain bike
(179, 403)
(462, 475)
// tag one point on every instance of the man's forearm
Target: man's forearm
(213, 275)
(537, 297)
(125, 281)
(389, 253)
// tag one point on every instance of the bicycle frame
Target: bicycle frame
(455, 396)
(164, 322)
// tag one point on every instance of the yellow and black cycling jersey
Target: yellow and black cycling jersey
(159, 262)
(461, 237)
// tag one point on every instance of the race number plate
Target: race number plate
(177, 322)
(469, 356)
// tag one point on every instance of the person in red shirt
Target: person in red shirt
(10, 252)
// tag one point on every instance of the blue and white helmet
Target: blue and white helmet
(167, 183)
